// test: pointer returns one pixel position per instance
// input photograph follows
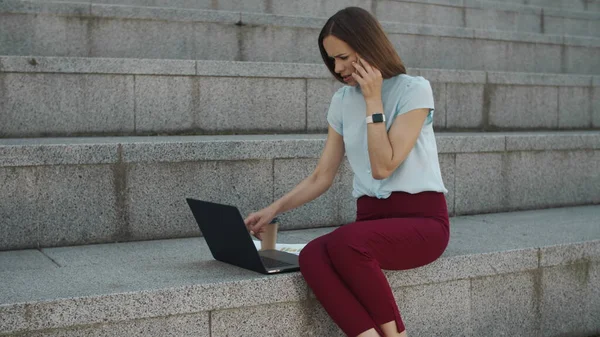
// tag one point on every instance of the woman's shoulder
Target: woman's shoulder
(405, 81)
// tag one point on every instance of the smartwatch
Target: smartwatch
(376, 118)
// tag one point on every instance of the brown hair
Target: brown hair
(364, 34)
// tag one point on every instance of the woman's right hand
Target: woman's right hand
(256, 222)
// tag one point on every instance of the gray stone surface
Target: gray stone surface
(106, 295)
(97, 65)
(240, 5)
(538, 179)
(570, 253)
(441, 309)
(502, 301)
(464, 107)
(479, 175)
(448, 168)
(494, 19)
(593, 324)
(143, 39)
(206, 148)
(176, 111)
(123, 254)
(440, 103)
(84, 104)
(156, 194)
(44, 7)
(460, 262)
(75, 204)
(201, 4)
(415, 12)
(279, 44)
(219, 105)
(470, 142)
(18, 211)
(523, 107)
(321, 211)
(319, 8)
(261, 69)
(320, 322)
(193, 34)
(565, 140)
(117, 282)
(501, 35)
(533, 79)
(166, 104)
(17, 260)
(215, 41)
(596, 107)
(163, 14)
(57, 151)
(285, 319)
(330, 209)
(566, 26)
(253, 105)
(43, 35)
(581, 60)
(255, 19)
(318, 99)
(574, 107)
(426, 30)
(480, 186)
(570, 226)
(453, 75)
(194, 325)
(43, 205)
(582, 41)
(564, 300)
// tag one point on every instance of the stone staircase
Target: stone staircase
(113, 112)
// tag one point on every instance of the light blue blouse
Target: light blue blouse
(420, 171)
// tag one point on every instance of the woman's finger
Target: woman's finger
(358, 79)
(360, 69)
(365, 65)
(249, 220)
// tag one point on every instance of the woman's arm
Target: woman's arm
(388, 150)
(320, 180)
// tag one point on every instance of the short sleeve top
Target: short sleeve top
(420, 171)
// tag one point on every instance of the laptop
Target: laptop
(229, 240)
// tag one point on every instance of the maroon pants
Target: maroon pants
(344, 267)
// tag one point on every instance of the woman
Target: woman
(382, 119)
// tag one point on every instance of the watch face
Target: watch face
(377, 118)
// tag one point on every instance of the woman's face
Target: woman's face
(343, 57)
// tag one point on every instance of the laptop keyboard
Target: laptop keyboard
(272, 263)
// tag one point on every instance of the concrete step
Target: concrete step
(71, 191)
(579, 5)
(84, 30)
(535, 273)
(48, 96)
(501, 15)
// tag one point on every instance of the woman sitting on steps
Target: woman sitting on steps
(382, 119)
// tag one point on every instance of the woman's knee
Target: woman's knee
(313, 253)
(344, 245)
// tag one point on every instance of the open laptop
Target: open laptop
(229, 241)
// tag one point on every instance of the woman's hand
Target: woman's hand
(369, 79)
(256, 222)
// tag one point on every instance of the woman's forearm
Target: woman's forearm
(307, 190)
(380, 148)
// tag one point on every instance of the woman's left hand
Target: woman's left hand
(369, 79)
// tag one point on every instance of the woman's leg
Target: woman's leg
(360, 250)
(339, 302)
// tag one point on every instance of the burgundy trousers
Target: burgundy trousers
(344, 268)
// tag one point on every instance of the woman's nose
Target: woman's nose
(338, 67)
